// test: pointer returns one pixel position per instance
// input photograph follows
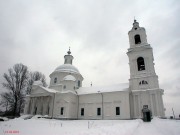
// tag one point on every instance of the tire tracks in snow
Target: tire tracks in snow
(136, 128)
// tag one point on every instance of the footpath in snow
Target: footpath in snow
(43, 126)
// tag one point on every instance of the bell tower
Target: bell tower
(141, 61)
(143, 82)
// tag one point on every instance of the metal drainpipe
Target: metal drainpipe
(102, 104)
(53, 105)
(77, 104)
(102, 107)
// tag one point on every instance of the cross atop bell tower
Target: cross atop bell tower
(135, 24)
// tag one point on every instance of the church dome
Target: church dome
(67, 68)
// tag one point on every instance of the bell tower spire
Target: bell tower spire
(135, 24)
(68, 58)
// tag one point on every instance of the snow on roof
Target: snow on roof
(38, 83)
(104, 89)
(49, 90)
(67, 68)
(69, 78)
(68, 91)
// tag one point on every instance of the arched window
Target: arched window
(79, 83)
(140, 64)
(137, 39)
(143, 82)
(55, 80)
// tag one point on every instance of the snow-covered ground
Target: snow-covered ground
(43, 126)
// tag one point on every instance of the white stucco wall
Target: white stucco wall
(69, 102)
(41, 99)
(69, 85)
(111, 100)
(152, 98)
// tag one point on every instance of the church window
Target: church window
(64, 87)
(82, 111)
(143, 82)
(137, 39)
(62, 110)
(117, 110)
(98, 111)
(55, 80)
(79, 83)
(140, 64)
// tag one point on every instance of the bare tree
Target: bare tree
(16, 83)
(7, 101)
(35, 76)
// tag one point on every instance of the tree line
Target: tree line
(18, 81)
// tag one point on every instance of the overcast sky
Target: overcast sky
(38, 34)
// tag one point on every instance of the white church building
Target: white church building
(65, 98)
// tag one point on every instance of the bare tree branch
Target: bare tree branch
(18, 81)
(15, 82)
(35, 76)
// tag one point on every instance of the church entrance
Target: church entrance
(146, 114)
